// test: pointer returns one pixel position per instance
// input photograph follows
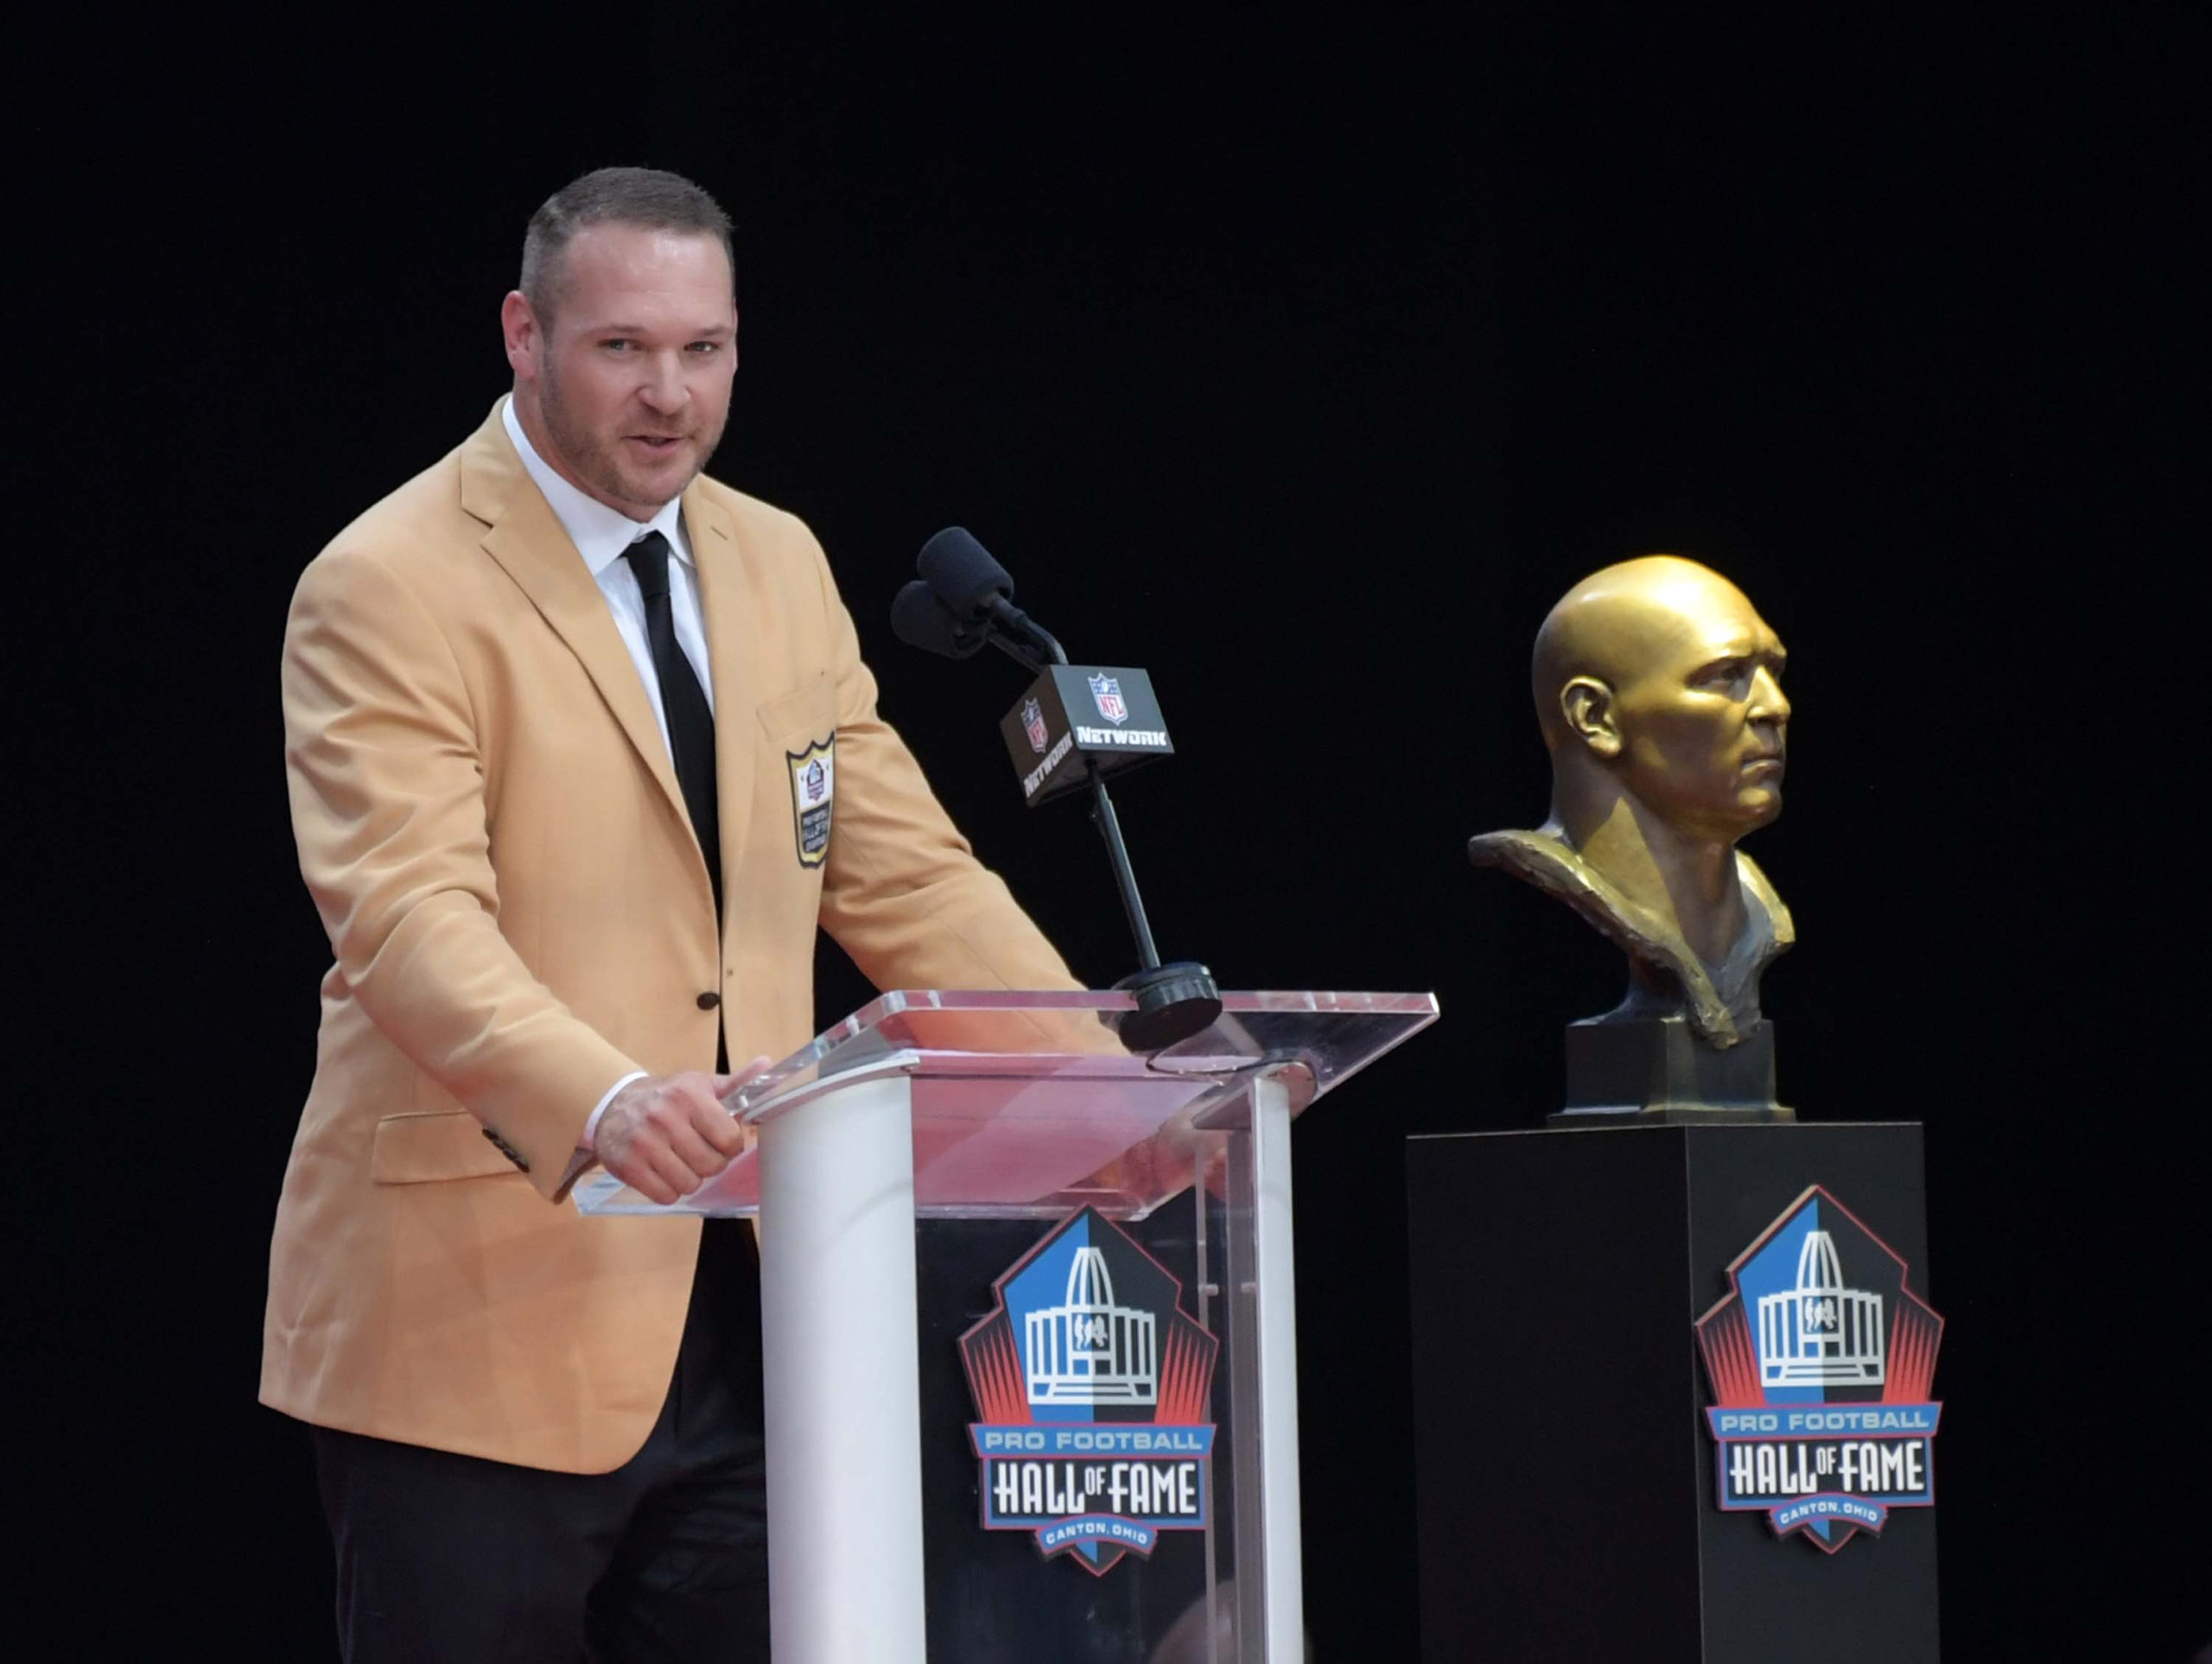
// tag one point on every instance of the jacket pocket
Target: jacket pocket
(804, 714)
(418, 1148)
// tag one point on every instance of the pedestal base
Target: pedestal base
(1567, 1505)
(1656, 1072)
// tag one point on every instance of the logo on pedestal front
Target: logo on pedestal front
(1821, 1363)
(1093, 1387)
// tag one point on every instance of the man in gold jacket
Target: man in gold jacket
(582, 752)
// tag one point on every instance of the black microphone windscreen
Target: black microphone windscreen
(962, 572)
(920, 619)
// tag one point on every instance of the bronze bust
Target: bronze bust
(1659, 691)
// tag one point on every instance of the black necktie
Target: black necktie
(690, 721)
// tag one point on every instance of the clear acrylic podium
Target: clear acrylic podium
(904, 1162)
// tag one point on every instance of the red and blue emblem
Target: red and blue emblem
(1033, 724)
(1094, 1390)
(1821, 1363)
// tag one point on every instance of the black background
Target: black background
(1303, 363)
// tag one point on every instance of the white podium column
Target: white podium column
(842, 1388)
(1273, 1262)
(1263, 1357)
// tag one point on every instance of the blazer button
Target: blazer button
(710, 999)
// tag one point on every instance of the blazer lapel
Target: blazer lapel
(727, 601)
(528, 542)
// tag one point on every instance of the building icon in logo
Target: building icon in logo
(1087, 1350)
(1820, 1333)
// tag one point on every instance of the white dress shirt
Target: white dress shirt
(602, 535)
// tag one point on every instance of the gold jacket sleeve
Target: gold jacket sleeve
(387, 787)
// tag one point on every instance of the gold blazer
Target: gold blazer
(519, 913)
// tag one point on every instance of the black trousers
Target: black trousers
(454, 1559)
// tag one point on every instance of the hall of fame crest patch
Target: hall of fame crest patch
(814, 790)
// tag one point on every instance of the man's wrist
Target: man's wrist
(588, 1143)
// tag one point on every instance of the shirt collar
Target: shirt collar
(600, 533)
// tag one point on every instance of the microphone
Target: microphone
(920, 619)
(1078, 723)
(977, 590)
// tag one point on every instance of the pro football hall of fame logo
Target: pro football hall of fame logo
(1092, 1386)
(1821, 1363)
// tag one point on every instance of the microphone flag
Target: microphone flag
(1076, 718)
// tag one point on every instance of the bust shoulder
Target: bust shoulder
(1720, 1000)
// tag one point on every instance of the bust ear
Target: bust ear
(1587, 704)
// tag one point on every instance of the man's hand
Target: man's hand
(664, 1137)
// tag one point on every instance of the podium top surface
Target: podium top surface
(1025, 1104)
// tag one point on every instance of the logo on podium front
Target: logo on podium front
(1093, 1387)
(1821, 1363)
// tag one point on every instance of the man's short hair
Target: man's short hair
(646, 198)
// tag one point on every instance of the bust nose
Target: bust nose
(1769, 703)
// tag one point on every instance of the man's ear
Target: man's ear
(519, 325)
(1587, 704)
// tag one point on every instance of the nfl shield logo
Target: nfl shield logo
(1033, 724)
(1106, 693)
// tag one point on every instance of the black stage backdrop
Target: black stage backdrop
(1304, 364)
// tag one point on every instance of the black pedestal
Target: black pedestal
(1567, 1504)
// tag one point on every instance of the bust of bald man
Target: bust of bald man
(1659, 691)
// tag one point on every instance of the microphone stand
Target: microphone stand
(1174, 1000)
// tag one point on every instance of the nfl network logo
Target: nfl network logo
(1094, 1388)
(1033, 724)
(1106, 694)
(1821, 1362)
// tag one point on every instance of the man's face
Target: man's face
(1702, 719)
(630, 378)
